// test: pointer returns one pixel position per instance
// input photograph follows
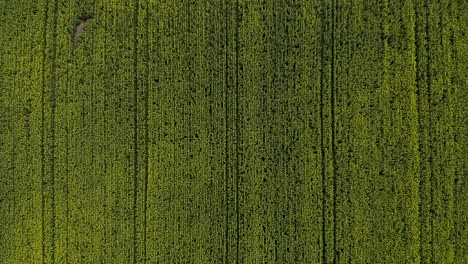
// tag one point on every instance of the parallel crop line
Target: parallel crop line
(105, 132)
(418, 98)
(237, 131)
(429, 102)
(67, 158)
(146, 131)
(384, 9)
(135, 128)
(52, 121)
(226, 169)
(322, 141)
(332, 104)
(46, 11)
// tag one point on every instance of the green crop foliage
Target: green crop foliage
(235, 131)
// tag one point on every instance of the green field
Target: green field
(234, 131)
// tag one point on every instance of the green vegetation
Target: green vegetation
(234, 131)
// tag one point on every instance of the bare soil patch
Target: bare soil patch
(79, 29)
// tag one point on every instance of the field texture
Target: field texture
(233, 131)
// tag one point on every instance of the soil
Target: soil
(80, 27)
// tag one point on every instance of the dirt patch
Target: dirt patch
(79, 29)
